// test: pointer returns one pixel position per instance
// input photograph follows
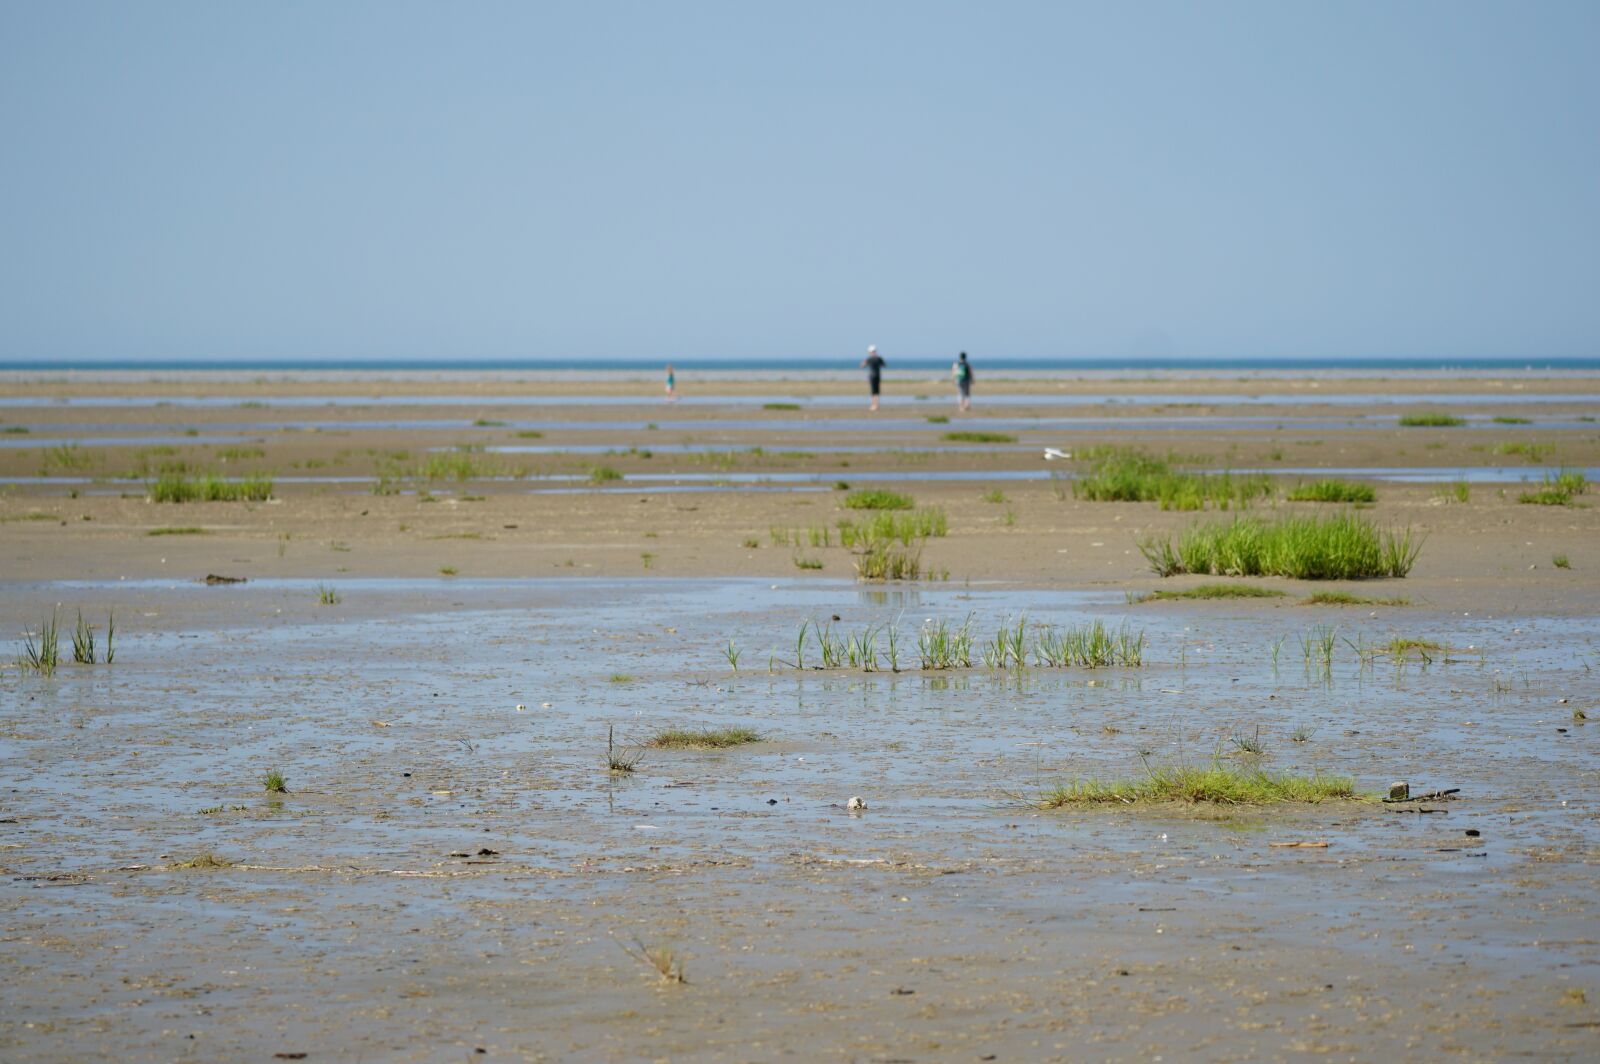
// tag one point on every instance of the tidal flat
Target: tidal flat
(336, 801)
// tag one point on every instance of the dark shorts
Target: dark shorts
(965, 387)
(872, 383)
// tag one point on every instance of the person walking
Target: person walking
(672, 380)
(961, 373)
(873, 364)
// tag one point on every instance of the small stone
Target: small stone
(1473, 833)
(1399, 791)
(521, 707)
(856, 805)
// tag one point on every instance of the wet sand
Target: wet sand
(356, 917)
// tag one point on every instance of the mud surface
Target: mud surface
(360, 919)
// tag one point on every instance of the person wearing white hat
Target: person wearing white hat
(873, 364)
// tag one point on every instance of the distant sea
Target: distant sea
(753, 365)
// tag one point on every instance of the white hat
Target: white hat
(872, 349)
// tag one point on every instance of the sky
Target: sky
(701, 181)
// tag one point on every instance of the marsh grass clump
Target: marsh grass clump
(185, 530)
(1339, 547)
(1217, 784)
(180, 487)
(887, 561)
(1402, 647)
(603, 474)
(42, 656)
(942, 645)
(704, 738)
(1317, 645)
(327, 596)
(465, 462)
(1127, 474)
(1431, 421)
(780, 406)
(878, 499)
(1558, 489)
(1214, 591)
(1345, 598)
(1533, 452)
(83, 648)
(1333, 491)
(885, 527)
(1561, 561)
(1249, 744)
(803, 562)
(618, 761)
(1091, 646)
(667, 962)
(969, 436)
(933, 419)
(1508, 419)
(204, 862)
(274, 783)
(1456, 491)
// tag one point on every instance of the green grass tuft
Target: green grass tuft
(1434, 421)
(1215, 591)
(185, 530)
(887, 561)
(1333, 491)
(980, 437)
(878, 499)
(603, 474)
(274, 782)
(780, 406)
(705, 738)
(1340, 547)
(178, 487)
(1218, 784)
(1344, 598)
(1125, 474)
(1558, 490)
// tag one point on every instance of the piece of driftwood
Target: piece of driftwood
(1431, 796)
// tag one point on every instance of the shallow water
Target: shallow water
(369, 862)
(746, 401)
(109, 434)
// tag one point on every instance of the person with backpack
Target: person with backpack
(961, 372)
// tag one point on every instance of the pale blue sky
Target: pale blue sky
(695, 180)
